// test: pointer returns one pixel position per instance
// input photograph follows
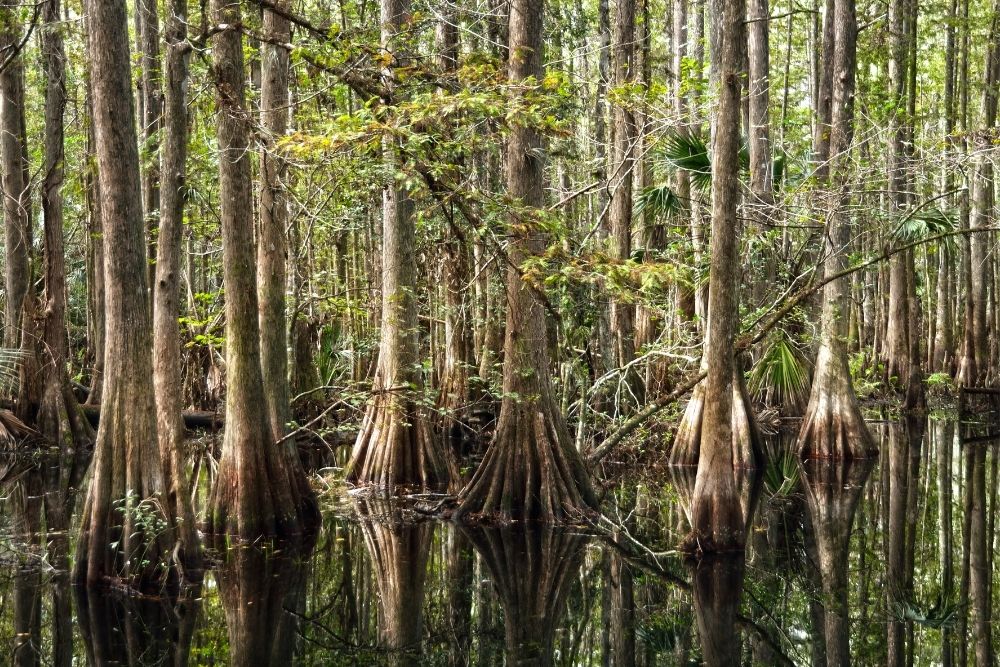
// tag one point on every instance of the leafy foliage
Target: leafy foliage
(658, 200)
(782, 372)
(923, 223)
(689, 152)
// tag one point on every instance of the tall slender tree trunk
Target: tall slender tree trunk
(825, 54)
(623, 164)
(717, 523)
(975, 368)
(128, 478)
(95, 254)
(261, 489)
(16, 194)
(455, 395)
(833, 426)
(531, 469)
(272, 247)
(148, 20)
(166, 290)
(395, 446)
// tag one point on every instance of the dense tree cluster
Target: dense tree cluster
(490, 241)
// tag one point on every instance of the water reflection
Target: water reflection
(886, 561)
(832, 491)
(262, 593)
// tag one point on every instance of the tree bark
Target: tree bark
(395, 447)
(717, 524)
(261, 489)
(167, 379)
(531, 470)
(17, 196)
(272, 247)
(128, 484)
(833, 426)
(623, 164)
(148, 20)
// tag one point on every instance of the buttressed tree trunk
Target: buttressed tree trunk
(531, 469)
(128, 490)
(716, 522)
(833, 426)
(745, 434)
(395, 446)
(166, 290)
(261, 489)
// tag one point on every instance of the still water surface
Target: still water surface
(884, 562)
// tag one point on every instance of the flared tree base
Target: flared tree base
(833, 427)
(263, 494)
(720, 510)
(396, 448)
(747, 449)
(531, 471)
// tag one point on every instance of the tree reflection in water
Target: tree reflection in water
(864, 563)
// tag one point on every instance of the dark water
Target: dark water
(886, 562)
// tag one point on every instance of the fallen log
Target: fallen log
(193, 419)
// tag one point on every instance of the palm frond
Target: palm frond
(923, 223)
(782, 373)
(10, 369)
(689, 152)
(658, 200)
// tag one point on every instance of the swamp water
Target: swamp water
(884, 562)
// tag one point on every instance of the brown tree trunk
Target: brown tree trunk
(395, 447)
(531, 469)
(833, 426)
(58, 418)
(824, 91)
(455, 391)
(716, 523)
(148, 21)
(272, 247)
(95, 255)
(166, 290)
(623, 164)
(128, 484)
(761, 173)
(16, 194)
(261, 489)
